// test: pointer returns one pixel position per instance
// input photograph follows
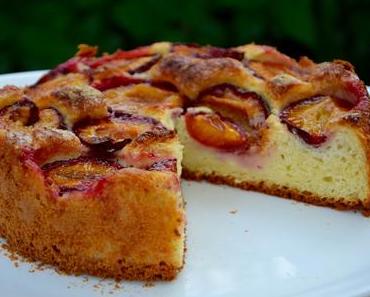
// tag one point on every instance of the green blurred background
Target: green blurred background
(40, 34)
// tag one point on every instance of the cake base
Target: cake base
(163, 271)
(284, 192)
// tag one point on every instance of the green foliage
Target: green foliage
(39, 34)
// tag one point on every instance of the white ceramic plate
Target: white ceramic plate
(239, 244)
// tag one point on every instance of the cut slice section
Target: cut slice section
(284, 166)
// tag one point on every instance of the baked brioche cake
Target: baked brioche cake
(92, 153)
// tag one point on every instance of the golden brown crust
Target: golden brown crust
(54, 144)
(44, 90)
(9, 95)
(192, 75)
(162, 271)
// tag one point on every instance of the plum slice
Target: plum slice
(115, 82)
(146, 66)
(78, 174)
(119, 55)
(113, 133)
(122, 81)
(24, 112)
(211, 129)
(163, 85)
(73, 65)
(246, 108)
(51, 118)
(85, 61)
(310, 118)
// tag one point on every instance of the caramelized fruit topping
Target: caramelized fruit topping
(310, 118)
(119, 55)
(24, 112)
(104, 135)
(215, 131)
(75, 64)
(51, 118)
(122, 80)
(86, 62)
(146, 66)
(78, 174)
(246, 108)
(357, 92)
(115, 82)
(112, 134)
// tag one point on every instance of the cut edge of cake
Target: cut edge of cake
(288, 167)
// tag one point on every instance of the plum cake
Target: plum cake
(93, 152)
